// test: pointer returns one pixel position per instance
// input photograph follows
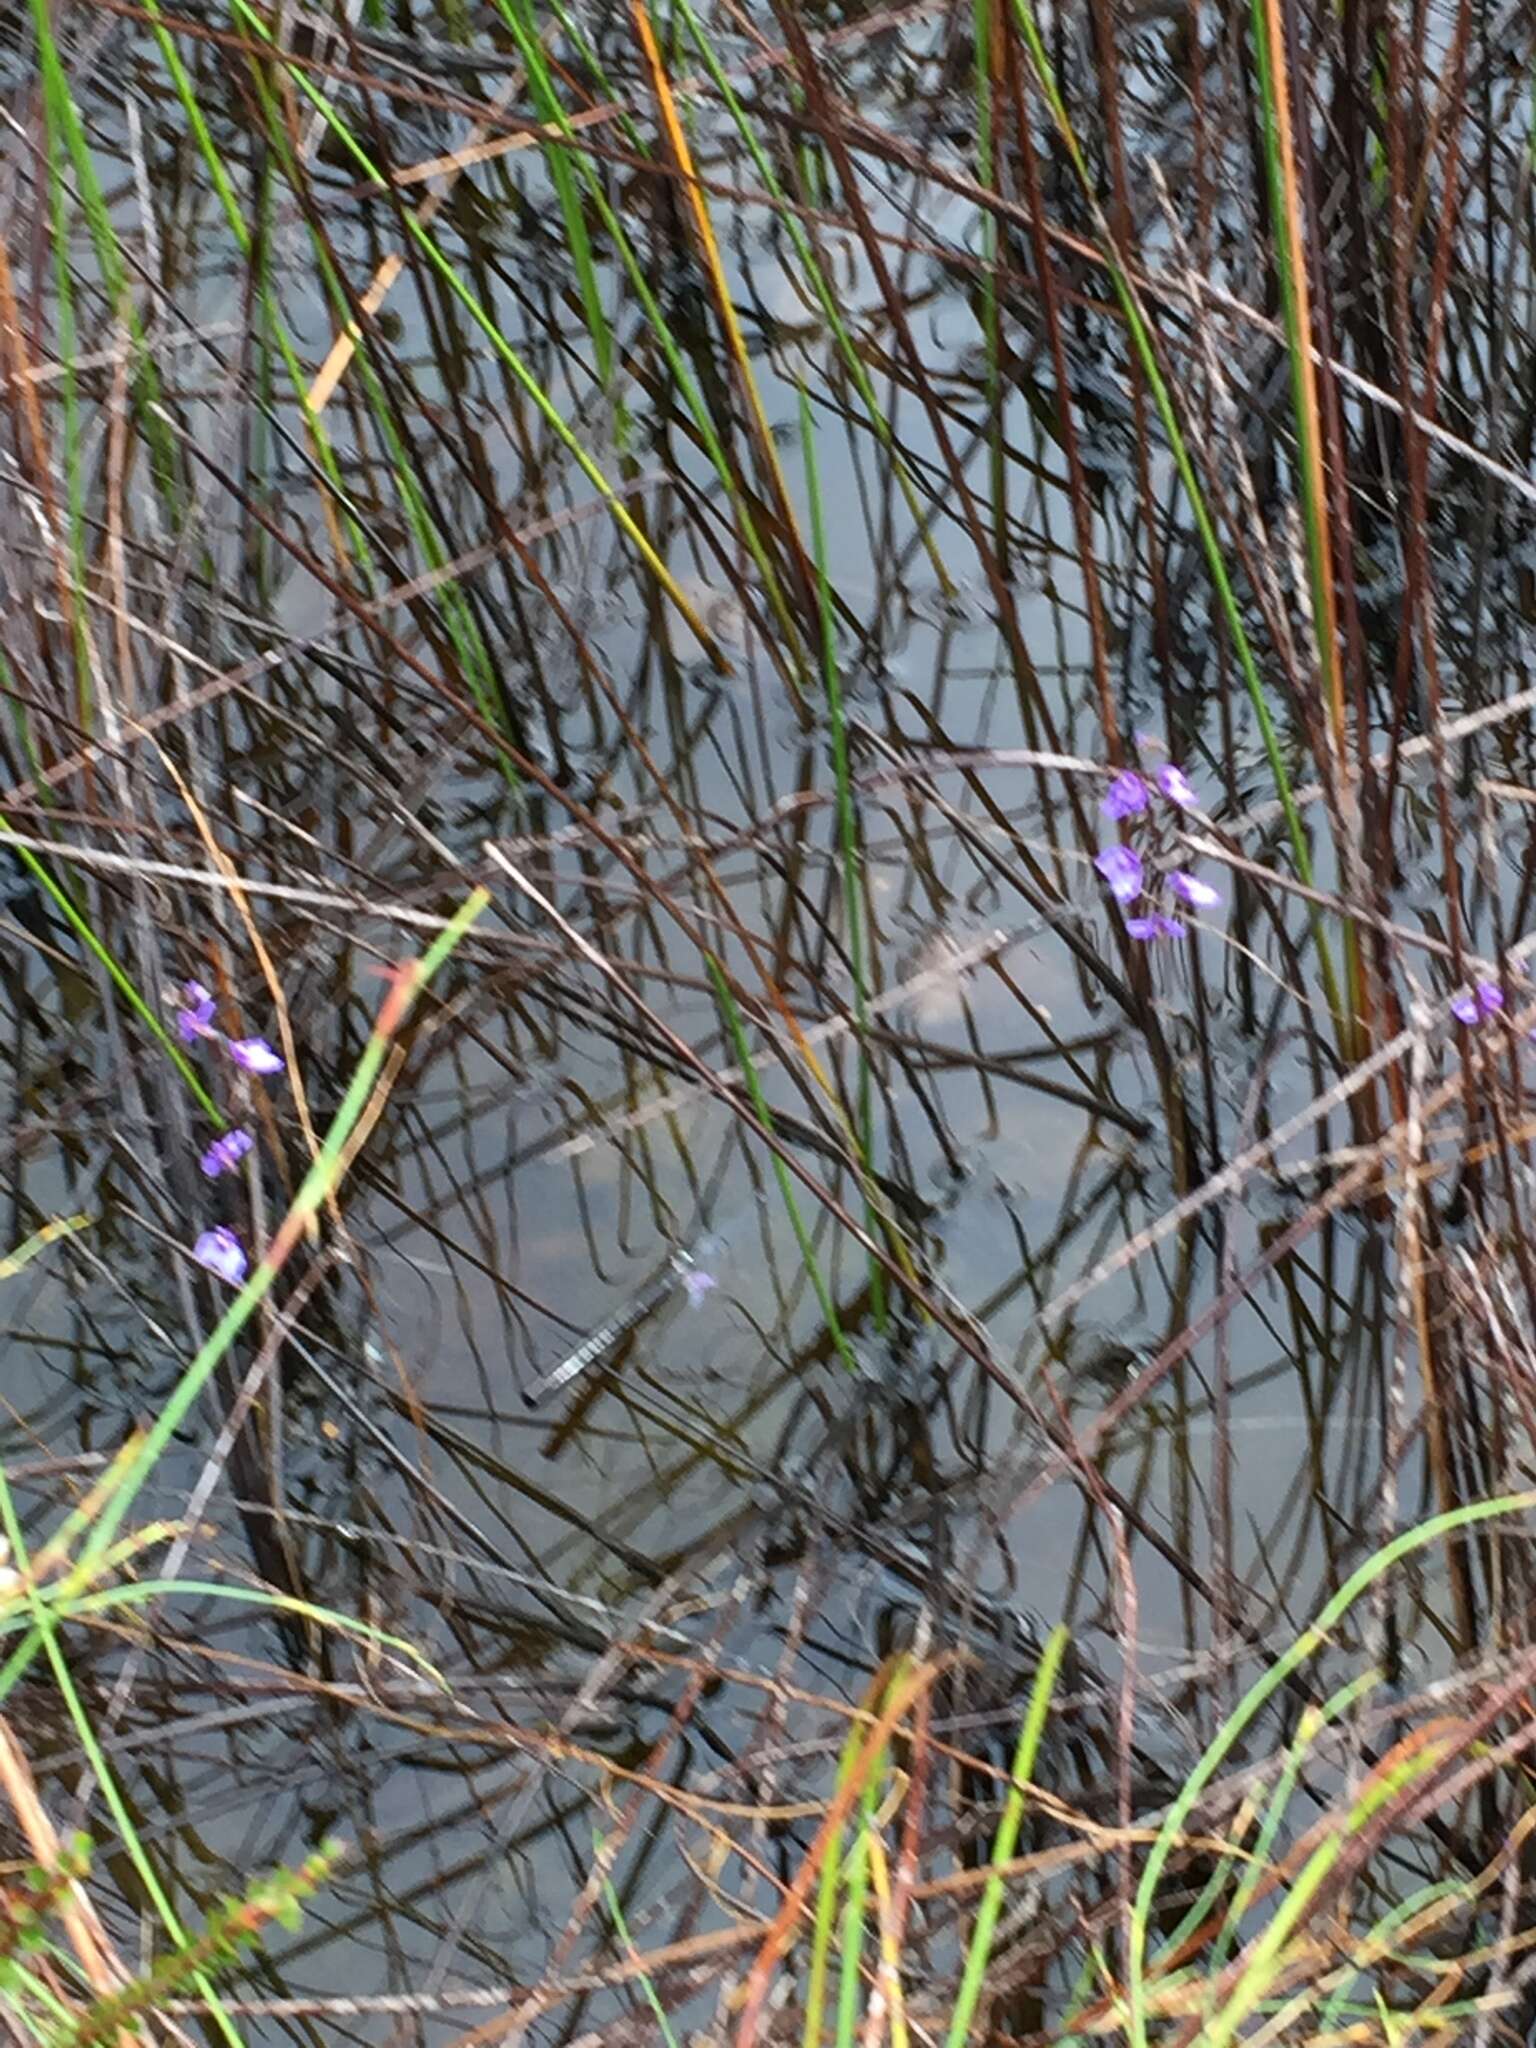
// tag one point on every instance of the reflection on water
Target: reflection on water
(556, 1394)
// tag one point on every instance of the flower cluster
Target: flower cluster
(226, 1152)
(1128, 795)
(219, 1249)
(1123, 868)
(1477, 1004)
(194, 1020)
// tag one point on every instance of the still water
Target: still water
(677, 1567)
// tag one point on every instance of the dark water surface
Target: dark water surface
(650, 1594)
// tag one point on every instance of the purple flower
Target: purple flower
(1126, 797)
(1484, 1000)
(697, 1283)
(196, 1020)
(1199, 895)
(1156, 926)
(1121, 868)
(226, 1153)
(1177, 787)
(254, 1054)
(222, 1253)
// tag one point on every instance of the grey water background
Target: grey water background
(719, 1473)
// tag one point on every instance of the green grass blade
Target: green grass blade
(1311, 1639)
(69, 1606)
(55, 1228)
(1313, 1721)
(139, 1460)
(64, 904)
(45, 1632)
(615, 1907)
(979, 1953)
(828, 1887)
(1267, 1956)
(622, 516)
(816, 278)
(1340, 2008)
(63, 121)
(317, 1185)
(229, 203)
(657, 323)
(856, 1885)
(519, 16)
(1231, 611)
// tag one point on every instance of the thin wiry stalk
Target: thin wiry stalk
(816, 277)
(1291, 262)
(1141, 340)
(848, 833)
(731, 1014)
(463, 631)
(1313, 1638)
(67, 136)
(148, 1016)
(235, 220)
(762, 432)
(45, 1634)
(658, 324)
(59, 106)
(559, 167)
(986, 20)
(317, 1184)
(621, 513)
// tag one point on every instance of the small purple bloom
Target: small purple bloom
(1199, 895)
(226, 1153)
(697, 1283)
(1156, 926)
(1121, 868)
(254, 1054)
(1483, 1001)
(196, 1020)
(1177, 787)
(1126, 797)
(222, 1253)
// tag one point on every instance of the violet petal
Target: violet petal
(196, 1020)
(1478, 1003)
(1199, 895)
(697, 1283)
(1177, 787)
(254, 1054)
(1122, 871)
(1154, 926)
(226, 1153)
(1126, 797)
(223, 1254)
